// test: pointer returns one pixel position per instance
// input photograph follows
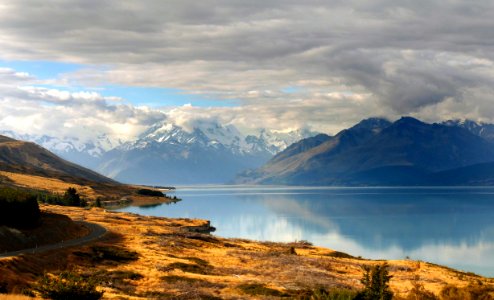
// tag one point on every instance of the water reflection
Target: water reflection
(452, 226)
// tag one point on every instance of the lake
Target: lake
(452, 226)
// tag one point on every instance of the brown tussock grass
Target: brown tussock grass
(16, 297)
(92, 190)
(52, 185)
(220, 265)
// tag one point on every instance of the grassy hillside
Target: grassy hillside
(29, 158)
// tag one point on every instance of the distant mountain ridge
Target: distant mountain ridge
(378, 152)
(207, 153)
(484, 130)
(166, 153)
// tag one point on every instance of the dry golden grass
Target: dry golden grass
(175, 261)
(47, 184)
(110, 193)
(15, 297)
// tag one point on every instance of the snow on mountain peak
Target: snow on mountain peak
(209, 133)
(60, 145)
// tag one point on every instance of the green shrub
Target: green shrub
(18, 209)
(72, 198)
(69, 198)
(68, 285)
(376, 283)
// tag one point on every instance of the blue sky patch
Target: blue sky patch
(291, 89)
(42, 69)
(149, 96)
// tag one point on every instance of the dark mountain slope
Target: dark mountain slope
(25, 157)
(484, 130)
(407, 152)
(289, 165)
(430, 147)
(478, 174)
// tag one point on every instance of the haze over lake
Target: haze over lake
(450, 226)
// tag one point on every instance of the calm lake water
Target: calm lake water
(449, 226)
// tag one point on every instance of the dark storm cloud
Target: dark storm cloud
(408, 56)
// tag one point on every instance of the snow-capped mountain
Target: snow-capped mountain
(209, 134)
(484, 130)
(208, 152)
(276, 141)
(205, 152)
(213, 135)
(85, 153)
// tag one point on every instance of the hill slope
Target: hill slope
(25, 157)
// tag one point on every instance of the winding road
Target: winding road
(96, 231)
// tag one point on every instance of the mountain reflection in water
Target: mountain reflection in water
(450, 226)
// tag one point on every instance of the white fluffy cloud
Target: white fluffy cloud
(36, 110)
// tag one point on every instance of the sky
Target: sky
(86, 67)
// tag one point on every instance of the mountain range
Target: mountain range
(379, 152)
(207, 153)
(373, 152)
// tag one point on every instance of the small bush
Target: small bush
(69, 198)
(114, 253)
(418, 292)
(72, 198)
(123, 275)
(339, 254)
(190, 268)
(376, 283)
(471, 292)
(68, 285)
(175, 279)
(197, 260)
(323, 294)
(99, 253)
(148, 192)
(255, 289)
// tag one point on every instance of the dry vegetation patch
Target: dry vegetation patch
(148, 257)
(52, 185)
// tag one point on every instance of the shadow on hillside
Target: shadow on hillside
(18, 272)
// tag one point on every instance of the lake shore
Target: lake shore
(174, 259)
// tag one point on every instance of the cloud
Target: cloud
(11, 77)
(413, 57)
(37, 110)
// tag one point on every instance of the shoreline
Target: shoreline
(424, 246)
(174, 249)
